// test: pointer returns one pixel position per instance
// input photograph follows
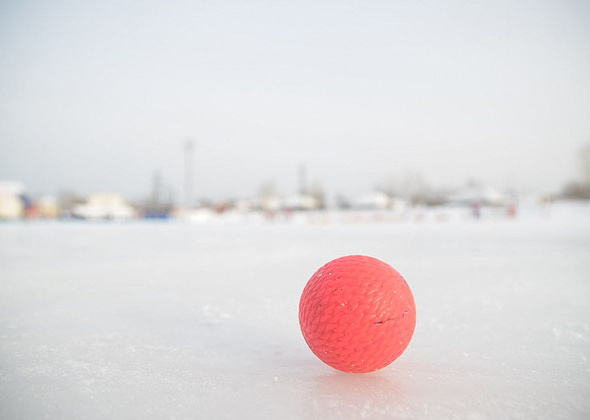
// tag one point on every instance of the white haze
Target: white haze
(98, 96)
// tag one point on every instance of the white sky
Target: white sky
(95, 96)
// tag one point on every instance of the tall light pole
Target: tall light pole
(189, 147)
(303, 189)
(156, 189)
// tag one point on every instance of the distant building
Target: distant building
(11, 207)
(270, 203)
(47, 207)
(375, 200)
(244, 205)
(301, 202)
(105, 206)
(12, 204)
(474, 194)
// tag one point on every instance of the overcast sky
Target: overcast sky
(96, 96)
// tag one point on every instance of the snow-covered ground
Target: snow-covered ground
(178, 320)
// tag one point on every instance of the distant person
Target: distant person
(511, 211)
(476, 209)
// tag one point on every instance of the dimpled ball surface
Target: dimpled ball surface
(357, 314)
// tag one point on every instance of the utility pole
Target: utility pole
(303, 190)
(189, 146)
(156, 190)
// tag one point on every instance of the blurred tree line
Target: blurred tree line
(580, 190)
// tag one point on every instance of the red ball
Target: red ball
(357, 314)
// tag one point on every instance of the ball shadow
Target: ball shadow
(355, 395)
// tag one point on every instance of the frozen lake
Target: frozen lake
(173, 320)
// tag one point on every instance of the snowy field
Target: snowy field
(173, 320)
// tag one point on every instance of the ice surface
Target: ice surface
(172, 320)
